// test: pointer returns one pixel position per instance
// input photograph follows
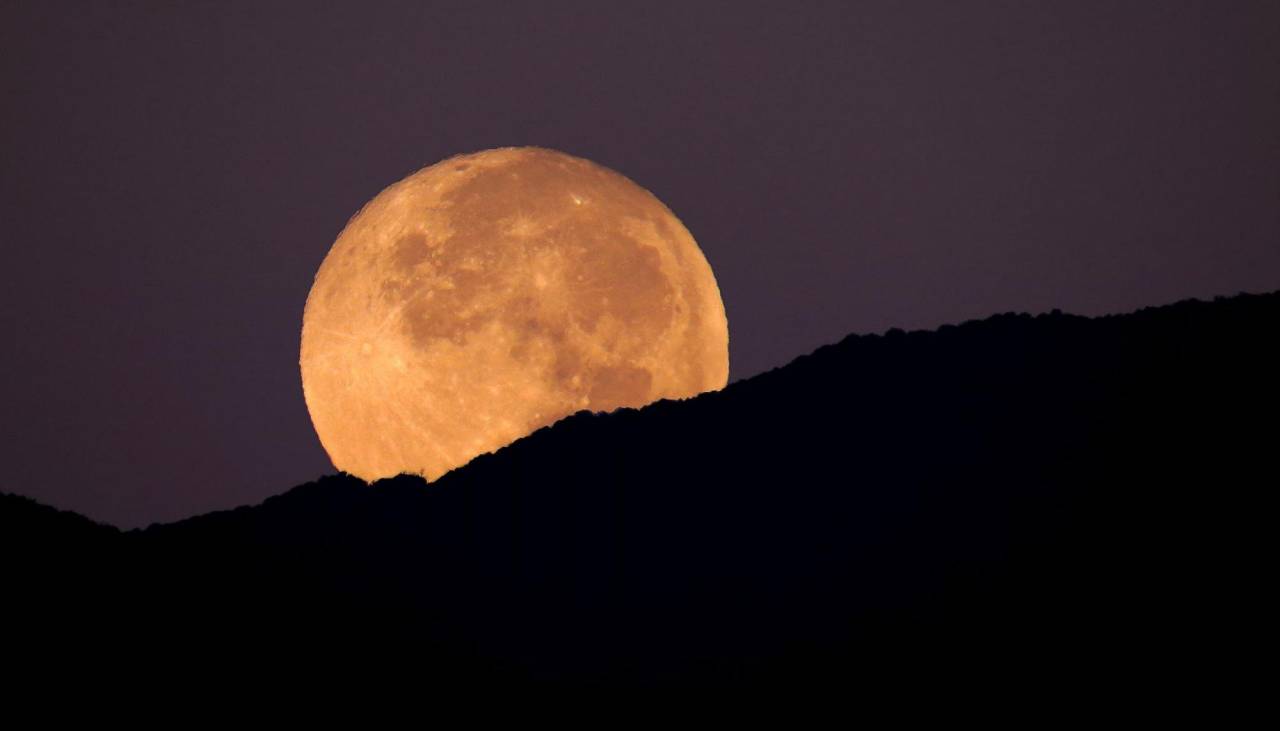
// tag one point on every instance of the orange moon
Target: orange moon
(491, 294)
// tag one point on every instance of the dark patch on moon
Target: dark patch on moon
(410, 251)
(622, 278)
(613, 387)
(568, 364)
(435, 318)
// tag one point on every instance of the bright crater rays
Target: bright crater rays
(492, 294)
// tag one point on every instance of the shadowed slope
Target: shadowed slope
(1016, 501)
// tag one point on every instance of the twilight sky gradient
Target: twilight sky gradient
(172, 174)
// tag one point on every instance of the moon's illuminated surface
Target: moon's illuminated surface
(492, 294)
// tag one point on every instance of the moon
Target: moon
(492, 294)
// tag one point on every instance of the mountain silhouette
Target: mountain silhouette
(1017, 503)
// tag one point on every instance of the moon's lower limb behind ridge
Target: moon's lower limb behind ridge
(491, 294)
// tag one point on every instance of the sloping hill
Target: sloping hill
(1019, 500)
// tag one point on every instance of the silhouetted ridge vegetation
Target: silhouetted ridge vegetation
(1013, 501)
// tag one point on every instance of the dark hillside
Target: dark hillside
(1019, 501)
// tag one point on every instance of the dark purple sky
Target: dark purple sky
(172, 174)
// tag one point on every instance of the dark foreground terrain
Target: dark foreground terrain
(1019, 504)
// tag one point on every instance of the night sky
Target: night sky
(172, 175)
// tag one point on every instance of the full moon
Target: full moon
(491, 294)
